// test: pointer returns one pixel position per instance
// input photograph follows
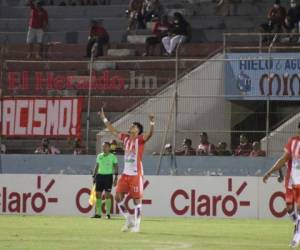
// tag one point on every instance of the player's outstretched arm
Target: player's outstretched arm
(149, 134)
(108, 125)
(277, 166)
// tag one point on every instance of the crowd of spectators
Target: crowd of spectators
(46, 148)
(142, 11)
(205, 148)
(168, 32)
(280, 20)
(76, 147)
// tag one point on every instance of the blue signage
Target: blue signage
(253, 76)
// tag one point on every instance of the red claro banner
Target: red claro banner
(41, 116)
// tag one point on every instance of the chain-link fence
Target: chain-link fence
(256, 95)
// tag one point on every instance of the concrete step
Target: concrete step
(67, 51)
(21, 3)
(65, 24)
(72, 37)
(88, 12)
(137, 39)
(120, 24)
(121, 52)
(130, 64)
(229, 22)
(242, 9)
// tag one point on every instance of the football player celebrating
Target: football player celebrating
(131, 181)
(291, 158)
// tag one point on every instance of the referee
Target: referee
(106, 167)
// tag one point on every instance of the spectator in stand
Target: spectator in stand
(244, 148)
(186, 148)
(151, 8)
(160, 29)
(37, 24)
(2, 148)
(291, 23)
(179, 33)
(168, 149)
(205, 147)
(134, 13)
(78, 149)
(221, 149)
(46, 148)
(276, 17)
(99, 36)
(115, 148)
(257, 151)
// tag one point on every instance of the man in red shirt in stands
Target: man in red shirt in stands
(160, 29)
(205, 147)
(276, 15)
(97, 35)
(37, 25)
(244, 148)
(186, 148)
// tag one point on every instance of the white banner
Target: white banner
(168, 196)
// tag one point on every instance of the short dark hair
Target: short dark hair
(188, 141)
(204, 134)
(139, 126)
(40, 3)
(106, 143)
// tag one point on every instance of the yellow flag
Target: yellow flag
(92, 199)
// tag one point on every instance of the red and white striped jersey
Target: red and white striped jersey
(293, 172)
(133, 155)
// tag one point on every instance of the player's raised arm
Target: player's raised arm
(108, 125)
(149, 134)
(277, 166)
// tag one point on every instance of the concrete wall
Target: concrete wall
(197, 110)
(193, 165)
(279, 137)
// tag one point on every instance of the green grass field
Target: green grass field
(34, 232)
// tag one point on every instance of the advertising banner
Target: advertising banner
(257, 76)
(41, 116)
(167, 196)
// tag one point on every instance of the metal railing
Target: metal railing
(258, 44)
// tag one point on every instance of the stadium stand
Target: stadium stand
(68, 32)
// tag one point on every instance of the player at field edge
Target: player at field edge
(106, 167)
(131, 181)
(291, 159)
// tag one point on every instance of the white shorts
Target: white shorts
(35, 35)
